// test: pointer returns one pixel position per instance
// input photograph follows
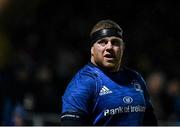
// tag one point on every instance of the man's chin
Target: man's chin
(109, 65)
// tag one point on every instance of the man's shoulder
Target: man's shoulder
(135, 74)
(89, 70)
(131, 71)
(81, 79)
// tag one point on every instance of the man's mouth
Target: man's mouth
(110, 56)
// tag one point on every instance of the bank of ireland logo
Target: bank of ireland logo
(127, 99)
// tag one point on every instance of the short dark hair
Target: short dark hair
(104, 24)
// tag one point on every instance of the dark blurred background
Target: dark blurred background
(44, 42)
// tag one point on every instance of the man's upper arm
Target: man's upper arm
(77, 100)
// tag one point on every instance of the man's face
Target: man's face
(107, 53)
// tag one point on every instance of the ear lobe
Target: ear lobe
(92, 50)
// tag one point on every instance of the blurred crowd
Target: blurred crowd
(43, 44)
(165, 96)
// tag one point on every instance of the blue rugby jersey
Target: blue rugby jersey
(119, 98)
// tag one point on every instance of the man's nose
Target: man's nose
(109, 45)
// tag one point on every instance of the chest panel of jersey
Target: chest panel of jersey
(115, 100)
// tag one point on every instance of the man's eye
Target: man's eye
(102, 42)
(116, 42)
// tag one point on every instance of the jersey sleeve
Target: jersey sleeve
(77, 97)
(149, 115)
(146, 93)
